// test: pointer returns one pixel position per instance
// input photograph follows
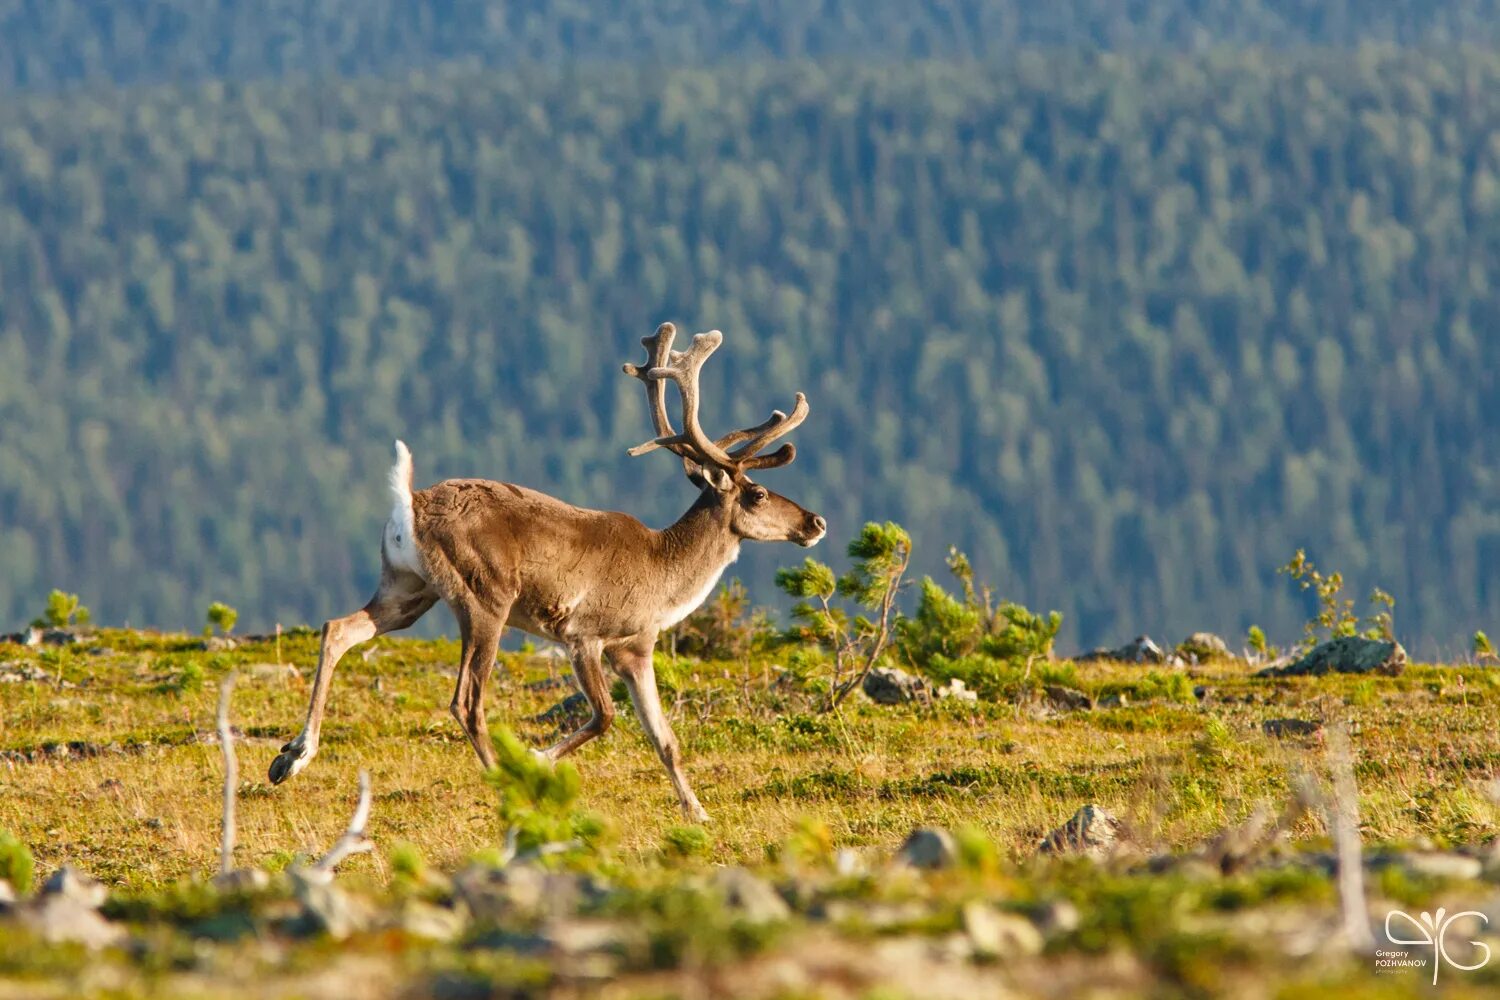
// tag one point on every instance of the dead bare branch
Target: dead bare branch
(1344, 819)
(354, 840)
(231, 776)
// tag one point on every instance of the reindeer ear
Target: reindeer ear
(712, 476)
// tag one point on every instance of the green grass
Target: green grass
(135, 802)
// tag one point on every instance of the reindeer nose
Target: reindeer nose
(819, 523)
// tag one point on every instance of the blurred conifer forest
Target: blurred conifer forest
(1129, 301)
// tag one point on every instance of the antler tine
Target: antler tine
(684, 369)
(658, 353)
(761, 435)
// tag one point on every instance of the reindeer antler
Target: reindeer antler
(693, 445)
(658, 353)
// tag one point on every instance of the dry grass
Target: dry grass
(144, 812)
(135, 800)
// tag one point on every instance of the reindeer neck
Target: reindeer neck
(695, 550)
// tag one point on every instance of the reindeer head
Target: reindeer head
(755, 512)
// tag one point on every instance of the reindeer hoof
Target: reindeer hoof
(292, 759)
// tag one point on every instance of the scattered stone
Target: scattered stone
(891, 686)
(929, 848)
(993, 934)
(79, 886)
(1058, 916)
(64, 919)
(1286, 728)
(1066, 699)
(570, 713)
(1203, 646)
(1349, 654)
(328, 909)
(242, 880)
(957, 689)
(17, 672)
(872, 915)
(425, 920)
(500, 895)
(753, 899)
(1091, 832)
(1139, 650)
(1436, 864)
(217, 644)
(1117, 700)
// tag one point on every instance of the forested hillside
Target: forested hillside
(50, 43)
(1128, 328)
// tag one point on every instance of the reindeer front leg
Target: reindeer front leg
(639, 674)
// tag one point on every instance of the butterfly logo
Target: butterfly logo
(1433, 927)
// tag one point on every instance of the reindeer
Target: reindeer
(600, 583)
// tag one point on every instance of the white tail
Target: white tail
(400, 545)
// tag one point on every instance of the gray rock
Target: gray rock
(956, 689)
(928, 847)
(890, 686)
(1091, 832)
(1287, 728)
(1117, 700)
(330, 910)
(993, 934)
(571, 712)
(79, 886)
(433, 923)
(244, 880)
(1350, 654)
(61, 919)
(1066, 699)
(1436, 864)
(1058, 916)
(58, 637)
(752, 898)
(500, 895)
(1203, 646)
(1139, 650)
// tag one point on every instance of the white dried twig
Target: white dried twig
(1345, 822)
(354, 840)
(231, 775)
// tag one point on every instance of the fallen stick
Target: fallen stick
(231, 776)
(1345, 822)
(354, 840)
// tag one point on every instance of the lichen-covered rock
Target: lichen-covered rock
(424, 920)
(1066, 699)
(750, 897)
(242, 880)
(1139, 650)
(79, 886)
(928, 847)
(1091, 832)
(993, 934)
(957, 690)
(1349, 654)
(64, 919)
(891, 686)
(330, 910)
(1203, 646)
(1286, 728)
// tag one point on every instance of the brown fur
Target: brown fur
(600, 583)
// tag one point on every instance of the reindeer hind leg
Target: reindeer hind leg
(399, 601)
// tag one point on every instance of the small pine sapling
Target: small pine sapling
(881, 554)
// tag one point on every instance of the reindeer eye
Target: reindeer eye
(759, 495)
